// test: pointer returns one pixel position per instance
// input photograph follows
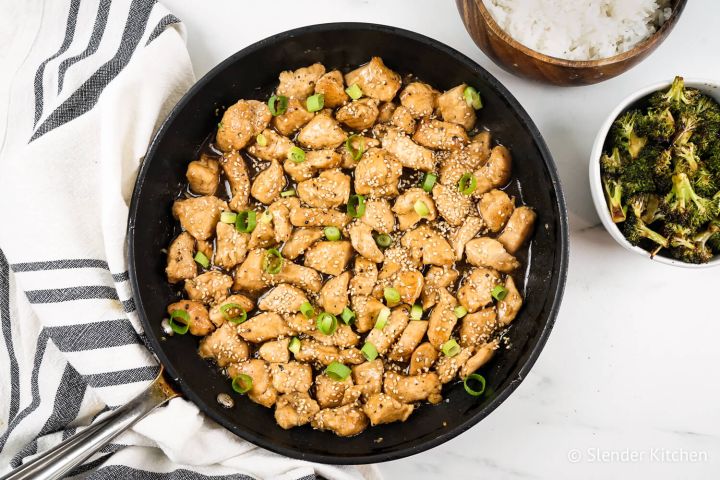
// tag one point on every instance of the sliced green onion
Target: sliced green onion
(202, 259)
(307, 309)
(460, 311)
(266, 217)
(356, 206)
(383, 240)
(315, 103)
(421, 208)
(450, 348)
(225, 309)
(242, 383)
(273, 261)
(478, 378)
(337, 371)
(472, 98)
(382, 318)
(182, 327)
(392, 296)
(354, 91)
(327, 323)
(347, 315)
(467, 184)
(428, 182)
(278, 104)
(369, 351)
(332, 233)
(296, 154)
(294, 345)
(499, 293)
(245, 221)
(356, 153)
(228, 217)
(416, 312)
(288, 193)
(261, 140)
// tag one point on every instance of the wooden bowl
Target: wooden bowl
(525, 62)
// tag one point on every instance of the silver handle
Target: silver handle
(61, 459)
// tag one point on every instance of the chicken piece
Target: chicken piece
(478, 327)
(382, 408)
(454, 108)
(410, 154)
(363, 241)
(317, 353)
(422, 359)
(344, 421)
(199, 215)
(375, 80)
(440, 135)
(408, 341)
(232, 246)
(488, 252)
(419, 98)
(219, 317)
(330, 257)
(210, 287)
(343, 337)
(408, 389)
(275, 351)
(205, 247)
(481, 357)
(351, 356)
(365, 276)
(291, 377)
(262, 391)
(180, 260)
(300, 323)
(200, 323)
(476, 289)
(276, 147)
(495, 208)
(496, 172)
(377, 174)
(359, 114)
(332, 87)
(369, 376)
(303, 277)
(366, 310)
(238, 177)
(464, 233)
(321, 132)
(263, 235)
(295, 409)
(358, 143)
(318, 217)
(454, 207)
(378, 216)
(329, 189)
(295, 117)
(447, 367)
(264, 326)
(241, 123)
(405, 207)
(383, 338)
(203, 175)
(465, 160)
(518, 229)
(386, 112)
(409, 284)
(403, 120)
(300, 83)
(224, 346)
(334, 294)
(315, 160)
(427, 245)
(435, 279)
(282, 227)
(283, 299)
(329, 392)
(300, 240)
(269, 183)
(508, 308)
(442, 319)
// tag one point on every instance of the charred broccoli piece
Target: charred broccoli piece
(677, 97)
(638, 176)
(705, 183)
(624, 134)
(612, 163)
(686, 159)
(613, 194)
(635, 230)
(683, 205)
(657, 124)
(697, 248)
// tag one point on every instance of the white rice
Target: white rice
(579, 29)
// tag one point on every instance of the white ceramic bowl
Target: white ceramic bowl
(708, 87)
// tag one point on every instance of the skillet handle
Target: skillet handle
(61, 459)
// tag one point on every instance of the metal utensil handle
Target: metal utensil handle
(61, 459)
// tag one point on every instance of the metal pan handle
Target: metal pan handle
(61, 459)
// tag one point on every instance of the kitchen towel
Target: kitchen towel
(83, 87)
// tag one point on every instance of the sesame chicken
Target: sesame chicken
(283, 299)
(478, 327)
(369, 376)
(264, 326)
(332, 86)
(330, 393)
(318, 217)
(422, 358)
(379, 216)
(359, 143)
(291, 377)
(377, 174)
(403, 120)
(203, 175)
(300, 240)
(518, 229)
(329, 257)
(447, 367)
(428, 246)
(375, 80)
(411, 337)
(334, 294)
(410, 154)
(209, 287)
(236, 173)
(232, 246)
(435, 279)
(198, 215)
(224, 346)
(199, 323)
(488, 252)
(508, 308)
(476, 289)
(383, 338)
(495, 208)
(413, 388)
(322, 131)
(275, 147)
(295, 409)
(442, 319)
(295, 117)
(419, 98)
(365, 274)
(454, 108)
(452, 205)
(496, 172)
(406, 207)
(330, 189)
(300, 83)
(359, 114)
(363, 242)
(269, 183)
(440, 135)
(386, 112)
(382, 408)
(480, 358)
(343, 337)
(229, 308)
(262, 391)
(180, 262)
(241, 123)
(464, 233)
(344, 421)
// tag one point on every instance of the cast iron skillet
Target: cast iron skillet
(252, 73)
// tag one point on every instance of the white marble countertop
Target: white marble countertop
(627, 385)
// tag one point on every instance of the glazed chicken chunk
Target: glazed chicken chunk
(203, 175)
(180, 262)
(199, 215)
(375, 80)
(300, 83)
(241, 123)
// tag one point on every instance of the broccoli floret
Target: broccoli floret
(647, 207)
(705, 183)
(612, 163)
(686, 159)
(657, 124)
(713, 240)
(613, 194)
(688, 122)
(693, 253)
(635, 230)
(625, 136)
(713, 159)
(684, 206)
(676, 97)
(638, 176)
(697, 248)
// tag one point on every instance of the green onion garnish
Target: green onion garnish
(428, 182)
(369, 351)
(421, 208)
(245, 221)
(467, 184)
(416, 312)
(273, 261)
(278, 104)
(460, 311)
(499, 293)
(242, 383)
(354, 91)
(183, 326)
(347, 315)
(382, 318)
(296, 154)
(327, 323)
(307, 309)
(228, 217)
(261, 140)
(294, 345)
(315, 103)
(202, 259)
(392, 296)
(356, 206)
(450, 348)
(337, 371)
(383, 240)
(472, 98)
(332, 233)
(356, 153)
(478, 378)
(288, 193)
(240, 318)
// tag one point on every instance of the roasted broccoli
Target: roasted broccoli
(677, 97)
(624, 134)
(612, 163)
(686, 207)
(657, 124)
(686, 159)
(635, 230)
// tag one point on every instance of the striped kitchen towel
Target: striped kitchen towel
(83, 87)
